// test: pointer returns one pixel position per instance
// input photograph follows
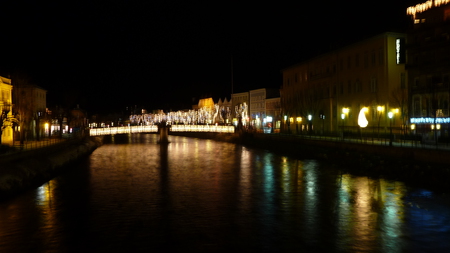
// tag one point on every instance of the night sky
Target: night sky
(107, 55)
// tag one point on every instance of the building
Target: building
(329, 93)
(257, 106)
(6, 131)
(239, 107)
(30, 104)
(428, 66)
(273, 114)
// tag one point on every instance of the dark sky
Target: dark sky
(106, 55)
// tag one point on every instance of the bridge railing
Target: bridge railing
(122, 130)
(202, 128)
(154, 129)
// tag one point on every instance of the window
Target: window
(366, 60)
(416, 107)
(402, 81)
(373, 85)
(373, 58)
(358, 86)
(381, 56)
(416, 82)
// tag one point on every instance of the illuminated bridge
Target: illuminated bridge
(154, 129)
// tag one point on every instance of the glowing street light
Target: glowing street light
(390, 115)
(344, 114)
(299, 121)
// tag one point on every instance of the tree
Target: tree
(23, 106)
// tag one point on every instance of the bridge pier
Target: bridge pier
(163, 130)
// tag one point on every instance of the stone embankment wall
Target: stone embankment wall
(23, 170)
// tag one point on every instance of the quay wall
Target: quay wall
(24, 170)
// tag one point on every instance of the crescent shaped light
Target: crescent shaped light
(362, 121)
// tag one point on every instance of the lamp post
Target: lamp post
(344, 114)
(390, 115)
(380, 110)
(310, 124)
(299, 121)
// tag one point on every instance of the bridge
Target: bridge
(154, 129)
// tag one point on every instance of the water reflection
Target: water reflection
(134, 194)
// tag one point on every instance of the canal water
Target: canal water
(135, 195)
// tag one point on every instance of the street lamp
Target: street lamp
(390, 115)
(310, 123)
(380, 110)
(299, 121)
(344, 114)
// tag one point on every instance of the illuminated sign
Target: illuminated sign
(429, 120)
(399, 50)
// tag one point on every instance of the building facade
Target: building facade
(331, 92)
(258, 110)
(428, 66)
(30, 106)
(6, 131)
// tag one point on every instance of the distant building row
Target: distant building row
(21, 107)
(393, 79)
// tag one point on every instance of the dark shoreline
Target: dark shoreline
(28, 169)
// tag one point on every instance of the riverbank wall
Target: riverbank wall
(23, 170)
(423, 167)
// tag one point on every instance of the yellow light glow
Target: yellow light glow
(362, 121)
(395, 110)
(432, 127)
(291, 119)
(380, 108)
(438, 126)
(413, 126)
(299, 119)
(345, 110)
(418, 8)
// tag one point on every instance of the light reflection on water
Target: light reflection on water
(137, 195)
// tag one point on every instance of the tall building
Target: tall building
(330, 92)
(428, 66)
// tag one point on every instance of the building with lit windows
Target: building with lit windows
(329, 93)
(6, 132)
(428, 66)
(30, 105)
(258, 112)
(273, 114)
